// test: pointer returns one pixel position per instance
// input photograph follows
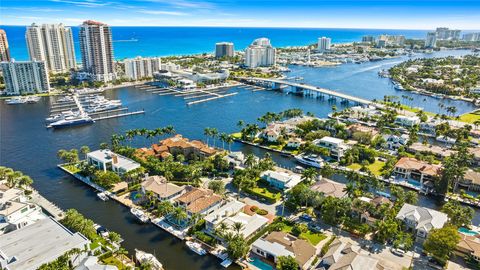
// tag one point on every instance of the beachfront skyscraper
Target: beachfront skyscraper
(4, 49)
(139, 67)
(224, 49)
(443, 33)
(97, 51)
(260, 54)
(52, 43)
(25, 77)
(431, 41)
(324, 44)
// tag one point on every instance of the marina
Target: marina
(163, 110)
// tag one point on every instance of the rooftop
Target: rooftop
(198, 199)
(106, 156)
(227, 210)
(160, 186)
(301, 248)
(415, 164)
(330, 188)
(425, 218)
(39, 243)
(250, 223)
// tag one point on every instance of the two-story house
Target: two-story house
(162, 189)
(337, 147)
(421, 220)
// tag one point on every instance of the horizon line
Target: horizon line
(258, 27)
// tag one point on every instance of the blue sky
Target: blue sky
(387, 14)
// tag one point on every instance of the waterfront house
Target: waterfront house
(470, 181)
(359, 128)
(294, 142)
(235, 159)
(15, 210)
(199, 201)
(340, 256)
(107, 160)
(421, 220)
(337, 147)
(178, 145)
(393, 142)
(47, 240)
(469, 246)
(438, 151)
(162, 189)
(282, 180)
(231, 213)
(330, 188)
(407, 121)
(420, 171)
(476, 155)
(278, 244)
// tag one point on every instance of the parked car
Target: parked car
(306, 217)
(315, 228)
(398, 252)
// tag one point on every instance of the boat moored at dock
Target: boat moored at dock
(196, 247)
(148, 258)
(139, 214)
(310, 160)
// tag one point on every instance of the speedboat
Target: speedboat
(60, 116)
(102, 196)
(72, 121)
(148, 258)
(196, 247)
(398, 86)
(15, 101)
(139, 214)
(310, 160)
(32, 99)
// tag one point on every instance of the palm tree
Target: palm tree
(85, 150)
(170, 130)
(229, 141)
(13, 177)
(240, 124)
(207, 132)
(237, 227)
(223, 137)
(130, 134)
(221, 228)
(250, 160)
(25, 181)
(309, 175)
(214, 134)
(164, 208)
(179, 214)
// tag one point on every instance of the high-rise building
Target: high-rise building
(431, 41)
(324, 44)
(25, 77)
(260, 54)
(444, 33)
(388, 40)
(52, 43)
(4, 49)
(139, 67)
(368, 39)
(471, 37)
(97, 51)
(224, 49)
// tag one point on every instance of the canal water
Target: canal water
(26, 145)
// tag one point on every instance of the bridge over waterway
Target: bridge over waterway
(306, 89)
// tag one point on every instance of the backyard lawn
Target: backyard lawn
(375, 168)
(312, 237)
(72, 168)
(470, 117)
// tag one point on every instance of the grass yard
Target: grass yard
(114, 261)
(375, 168)
(72, 168)
(470, 117)
(266, 193)
(312, 237)
(237, 135)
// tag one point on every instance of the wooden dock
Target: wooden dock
(46, 205)
(211, 98)
(118, 115)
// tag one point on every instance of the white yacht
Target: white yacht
(32, 99)
(60, 116)
(73, 121)
(144, 257)
(196, 247)
(102, 196)
(15, 101)
(139, 214)
(310, 160)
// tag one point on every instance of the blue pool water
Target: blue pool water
(261, 264)
(414, 183)
(467, 231)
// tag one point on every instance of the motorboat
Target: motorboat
(139, 214)
(196, 247)
(148, 258)
(398, 86)
(32, 99)
(72, 121)
(102, 196)
(15, 101)
(60, 116)
(65, 99)
(310, 160)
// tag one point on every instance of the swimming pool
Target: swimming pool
(260, 264)
(414, 183)
(467, 231)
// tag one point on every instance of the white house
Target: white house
(107, 160)
(337, 147)
(421, 220)
(407, 121)
(281, 180)
(393, 142)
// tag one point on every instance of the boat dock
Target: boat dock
(118, 115)
(47, 206)
(192, 96)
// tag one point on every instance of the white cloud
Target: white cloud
(184, 3)
(84, 3)
(163, 12)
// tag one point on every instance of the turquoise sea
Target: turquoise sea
(163, 41)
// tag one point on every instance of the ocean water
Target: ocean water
(164, 41)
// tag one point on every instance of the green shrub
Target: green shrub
(262, 212)
(299, 229)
